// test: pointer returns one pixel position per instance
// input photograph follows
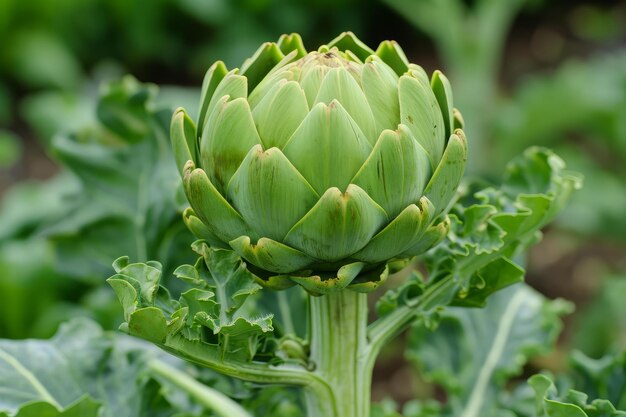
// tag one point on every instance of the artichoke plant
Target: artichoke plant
(327, 168)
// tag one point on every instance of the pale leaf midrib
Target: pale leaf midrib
(29, 377)
(477, 395)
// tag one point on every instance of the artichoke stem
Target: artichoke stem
(340, 354)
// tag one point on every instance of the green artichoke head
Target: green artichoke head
(324, 168)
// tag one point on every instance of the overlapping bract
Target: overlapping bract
(316, 167)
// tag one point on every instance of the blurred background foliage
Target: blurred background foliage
(86, 173)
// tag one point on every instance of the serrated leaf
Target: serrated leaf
(221, 284)
(570, 404)
(410, 290)
(226, 273)
(489, 227)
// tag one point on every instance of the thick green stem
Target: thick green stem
(340, 354)
(259, 372)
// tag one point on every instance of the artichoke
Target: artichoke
(328, 169)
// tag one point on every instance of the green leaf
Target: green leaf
(528, 117)
(209, 397)
(84, 407)
(386, 408)
(601, 327)
(10, 149)
(86, 372)
(410, 290)
(227, 275)
(495, 225)
(488, 228)
(594, 113)
(50, 112)
(25, 207)
(413, 408)
(126, 198)
(28, 264)
(221, 285)
(40, 58)
(473, 353)
(72, 374)
(571, 404)
(123, 108)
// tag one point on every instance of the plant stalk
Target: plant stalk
(340, 355)
(210, 398)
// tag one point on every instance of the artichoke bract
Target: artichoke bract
(328, 168)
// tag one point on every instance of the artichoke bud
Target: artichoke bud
(307, 163)
(293, 349)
